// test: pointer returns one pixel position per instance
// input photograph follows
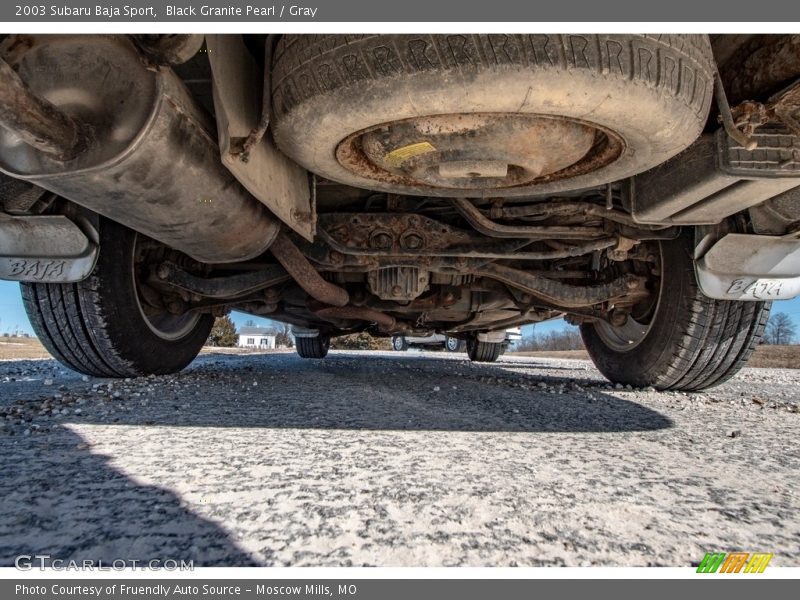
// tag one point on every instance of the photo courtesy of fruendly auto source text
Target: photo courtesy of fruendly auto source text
(426, 299)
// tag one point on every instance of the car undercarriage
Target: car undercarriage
(642, 187)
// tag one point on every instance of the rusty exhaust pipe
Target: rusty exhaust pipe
(386, 323)
(35, 120)
(152, 162)
(305, 274)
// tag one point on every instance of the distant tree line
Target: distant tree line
(568, 338)
(780, 330)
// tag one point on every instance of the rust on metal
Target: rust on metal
(393, 232)
(404, 235)
(510, 250)
(783, 108)
(305, 275)
(169, 49)
(399, 283)
(191, 203)
(480, 151)
(36, 121)
(567, 208)
(742, 137)
(565, 295)
(228, 286)
(489, 228)
(477, 151)
(386, 323)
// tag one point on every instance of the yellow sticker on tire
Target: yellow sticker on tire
(397, 157)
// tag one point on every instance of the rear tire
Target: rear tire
(483, 351)
(452, 344)
(690, 343)
(399, 343)
(313, 347)
(97, 326)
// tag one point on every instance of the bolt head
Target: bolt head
(618, 318)
(381, 241)
(413, 241)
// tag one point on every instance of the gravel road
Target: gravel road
(395, 459)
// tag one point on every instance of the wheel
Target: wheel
(683, 340)
(399, 343)
(313, 347)
(454, 344)
(100, 326)
(483, 351)
(486, 115)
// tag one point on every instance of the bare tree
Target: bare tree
(780, 329)
(284, 337)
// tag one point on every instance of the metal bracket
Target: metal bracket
(274, 179)
(629, 287)
(744, 139)
(231, 286)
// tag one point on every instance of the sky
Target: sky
(13, 317)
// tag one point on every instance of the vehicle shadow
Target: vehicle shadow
(375, 392)
(369, 391)
(58, 498)
(60, 501)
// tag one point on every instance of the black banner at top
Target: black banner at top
(443, 11)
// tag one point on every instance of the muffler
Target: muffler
(86, 118)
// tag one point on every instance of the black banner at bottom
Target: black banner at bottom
(385, 589)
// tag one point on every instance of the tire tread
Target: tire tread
(709, 340)
(483, 351)
(87, 326)
(308, 65)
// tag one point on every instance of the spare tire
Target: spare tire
(385, 112)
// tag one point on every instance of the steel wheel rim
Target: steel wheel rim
(629, 336)
(164, 325)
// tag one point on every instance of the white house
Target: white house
(256, 337)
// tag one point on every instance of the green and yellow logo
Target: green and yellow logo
(734, 562)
